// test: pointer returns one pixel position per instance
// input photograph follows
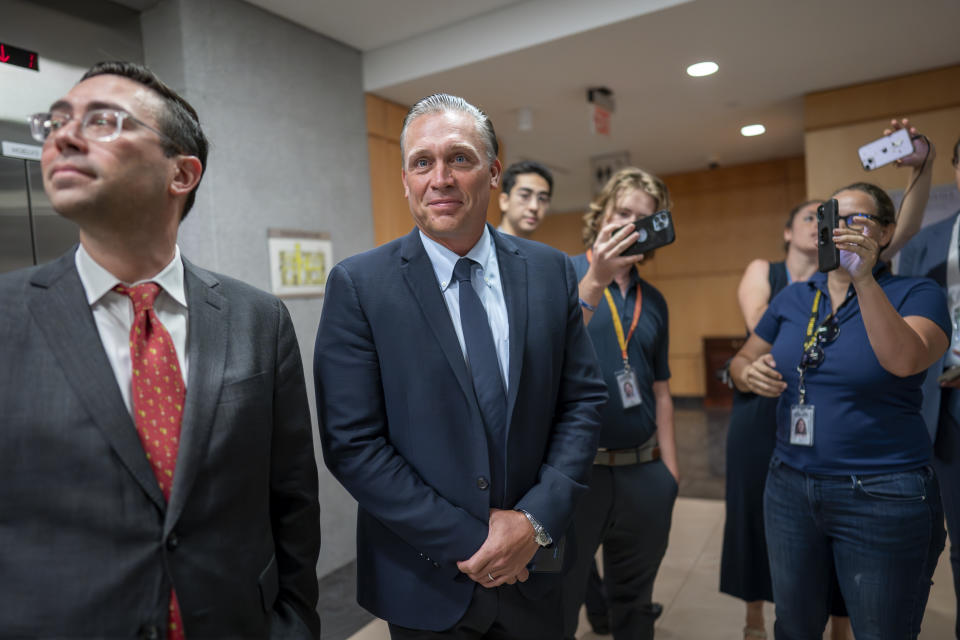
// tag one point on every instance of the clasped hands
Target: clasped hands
(504, 555)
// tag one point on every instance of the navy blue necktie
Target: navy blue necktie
(485, 370)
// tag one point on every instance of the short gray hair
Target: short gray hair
(443, 103)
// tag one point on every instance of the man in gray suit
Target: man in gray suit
(934, 253)
(134, 505)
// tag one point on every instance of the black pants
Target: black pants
(946, 463)
(628, 509)
(502, 613)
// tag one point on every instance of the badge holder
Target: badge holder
(801, 416)
(627, 384)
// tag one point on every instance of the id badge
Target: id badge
(629, 390)
(801, 425)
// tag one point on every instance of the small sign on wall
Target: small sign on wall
(299, 262)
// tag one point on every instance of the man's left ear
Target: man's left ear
(188, 172)
(496, 169)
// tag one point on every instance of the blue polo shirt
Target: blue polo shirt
(647, 350)
(866, 420)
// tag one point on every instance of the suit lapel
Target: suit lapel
(58, 305)
(513, 278)
(207, 349)
(417, 271)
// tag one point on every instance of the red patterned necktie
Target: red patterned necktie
(158, 393)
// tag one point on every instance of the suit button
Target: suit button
(173, 542)
(436, 564)
(149, 632)
(482, 483)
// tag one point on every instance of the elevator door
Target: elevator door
(16, 238)
(31, 232)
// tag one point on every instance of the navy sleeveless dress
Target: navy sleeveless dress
(744, 569)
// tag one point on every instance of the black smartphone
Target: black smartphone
(652, 232)
(827, 253)
(548, 559)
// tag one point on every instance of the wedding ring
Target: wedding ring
(492, 579)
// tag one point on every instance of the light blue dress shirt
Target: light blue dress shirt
(486, 282)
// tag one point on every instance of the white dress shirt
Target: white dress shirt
(113, 313)
(486, 282)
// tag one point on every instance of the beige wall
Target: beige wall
(838, 122)
(724, 218)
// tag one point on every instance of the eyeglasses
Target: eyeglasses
(101, 125)
(814, 354)
(524, 195)
(846, 218)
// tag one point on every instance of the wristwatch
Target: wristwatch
(540, 535)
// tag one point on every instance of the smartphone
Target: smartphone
(652, 232)
(828, 256)
(886, 149)
(549, 559)
(950, 374)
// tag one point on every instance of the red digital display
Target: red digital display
(19, 57)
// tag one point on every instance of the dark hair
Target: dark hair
(793, 214)
(526, 166)
(443, 103)
(179, 121)
(956, 152)
(886, 212)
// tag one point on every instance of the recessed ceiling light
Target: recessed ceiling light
(753, 130)
(702, 69)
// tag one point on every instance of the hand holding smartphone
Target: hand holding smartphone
(652, 232)
(828, 256)
(885, 150)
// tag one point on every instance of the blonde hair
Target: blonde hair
(624, 180)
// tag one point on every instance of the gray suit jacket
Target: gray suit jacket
(88, 545)
(926, 255)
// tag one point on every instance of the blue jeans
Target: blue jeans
(882, 533)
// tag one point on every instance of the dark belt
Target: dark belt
(624, 457)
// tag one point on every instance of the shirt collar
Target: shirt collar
(97, 281)
(444, 260)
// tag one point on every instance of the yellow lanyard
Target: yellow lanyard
(618, 326)
(808, 342)
(615, 315)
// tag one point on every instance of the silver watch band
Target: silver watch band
(539, 533)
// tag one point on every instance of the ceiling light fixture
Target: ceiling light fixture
(701, 69)
(753, 130)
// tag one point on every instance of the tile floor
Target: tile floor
(687, 586)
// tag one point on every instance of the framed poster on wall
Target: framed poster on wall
(299, 262)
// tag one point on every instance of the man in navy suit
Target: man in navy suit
(934, 253)
(458, 396)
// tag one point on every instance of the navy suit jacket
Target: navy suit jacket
(402, 431)
(89, 548)
(926, 255)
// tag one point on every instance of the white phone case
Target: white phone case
(885, 150)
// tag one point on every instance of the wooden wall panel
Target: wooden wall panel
(839, 121)
(832, 159)
(881, 100)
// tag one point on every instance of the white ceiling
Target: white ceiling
(543, 54)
